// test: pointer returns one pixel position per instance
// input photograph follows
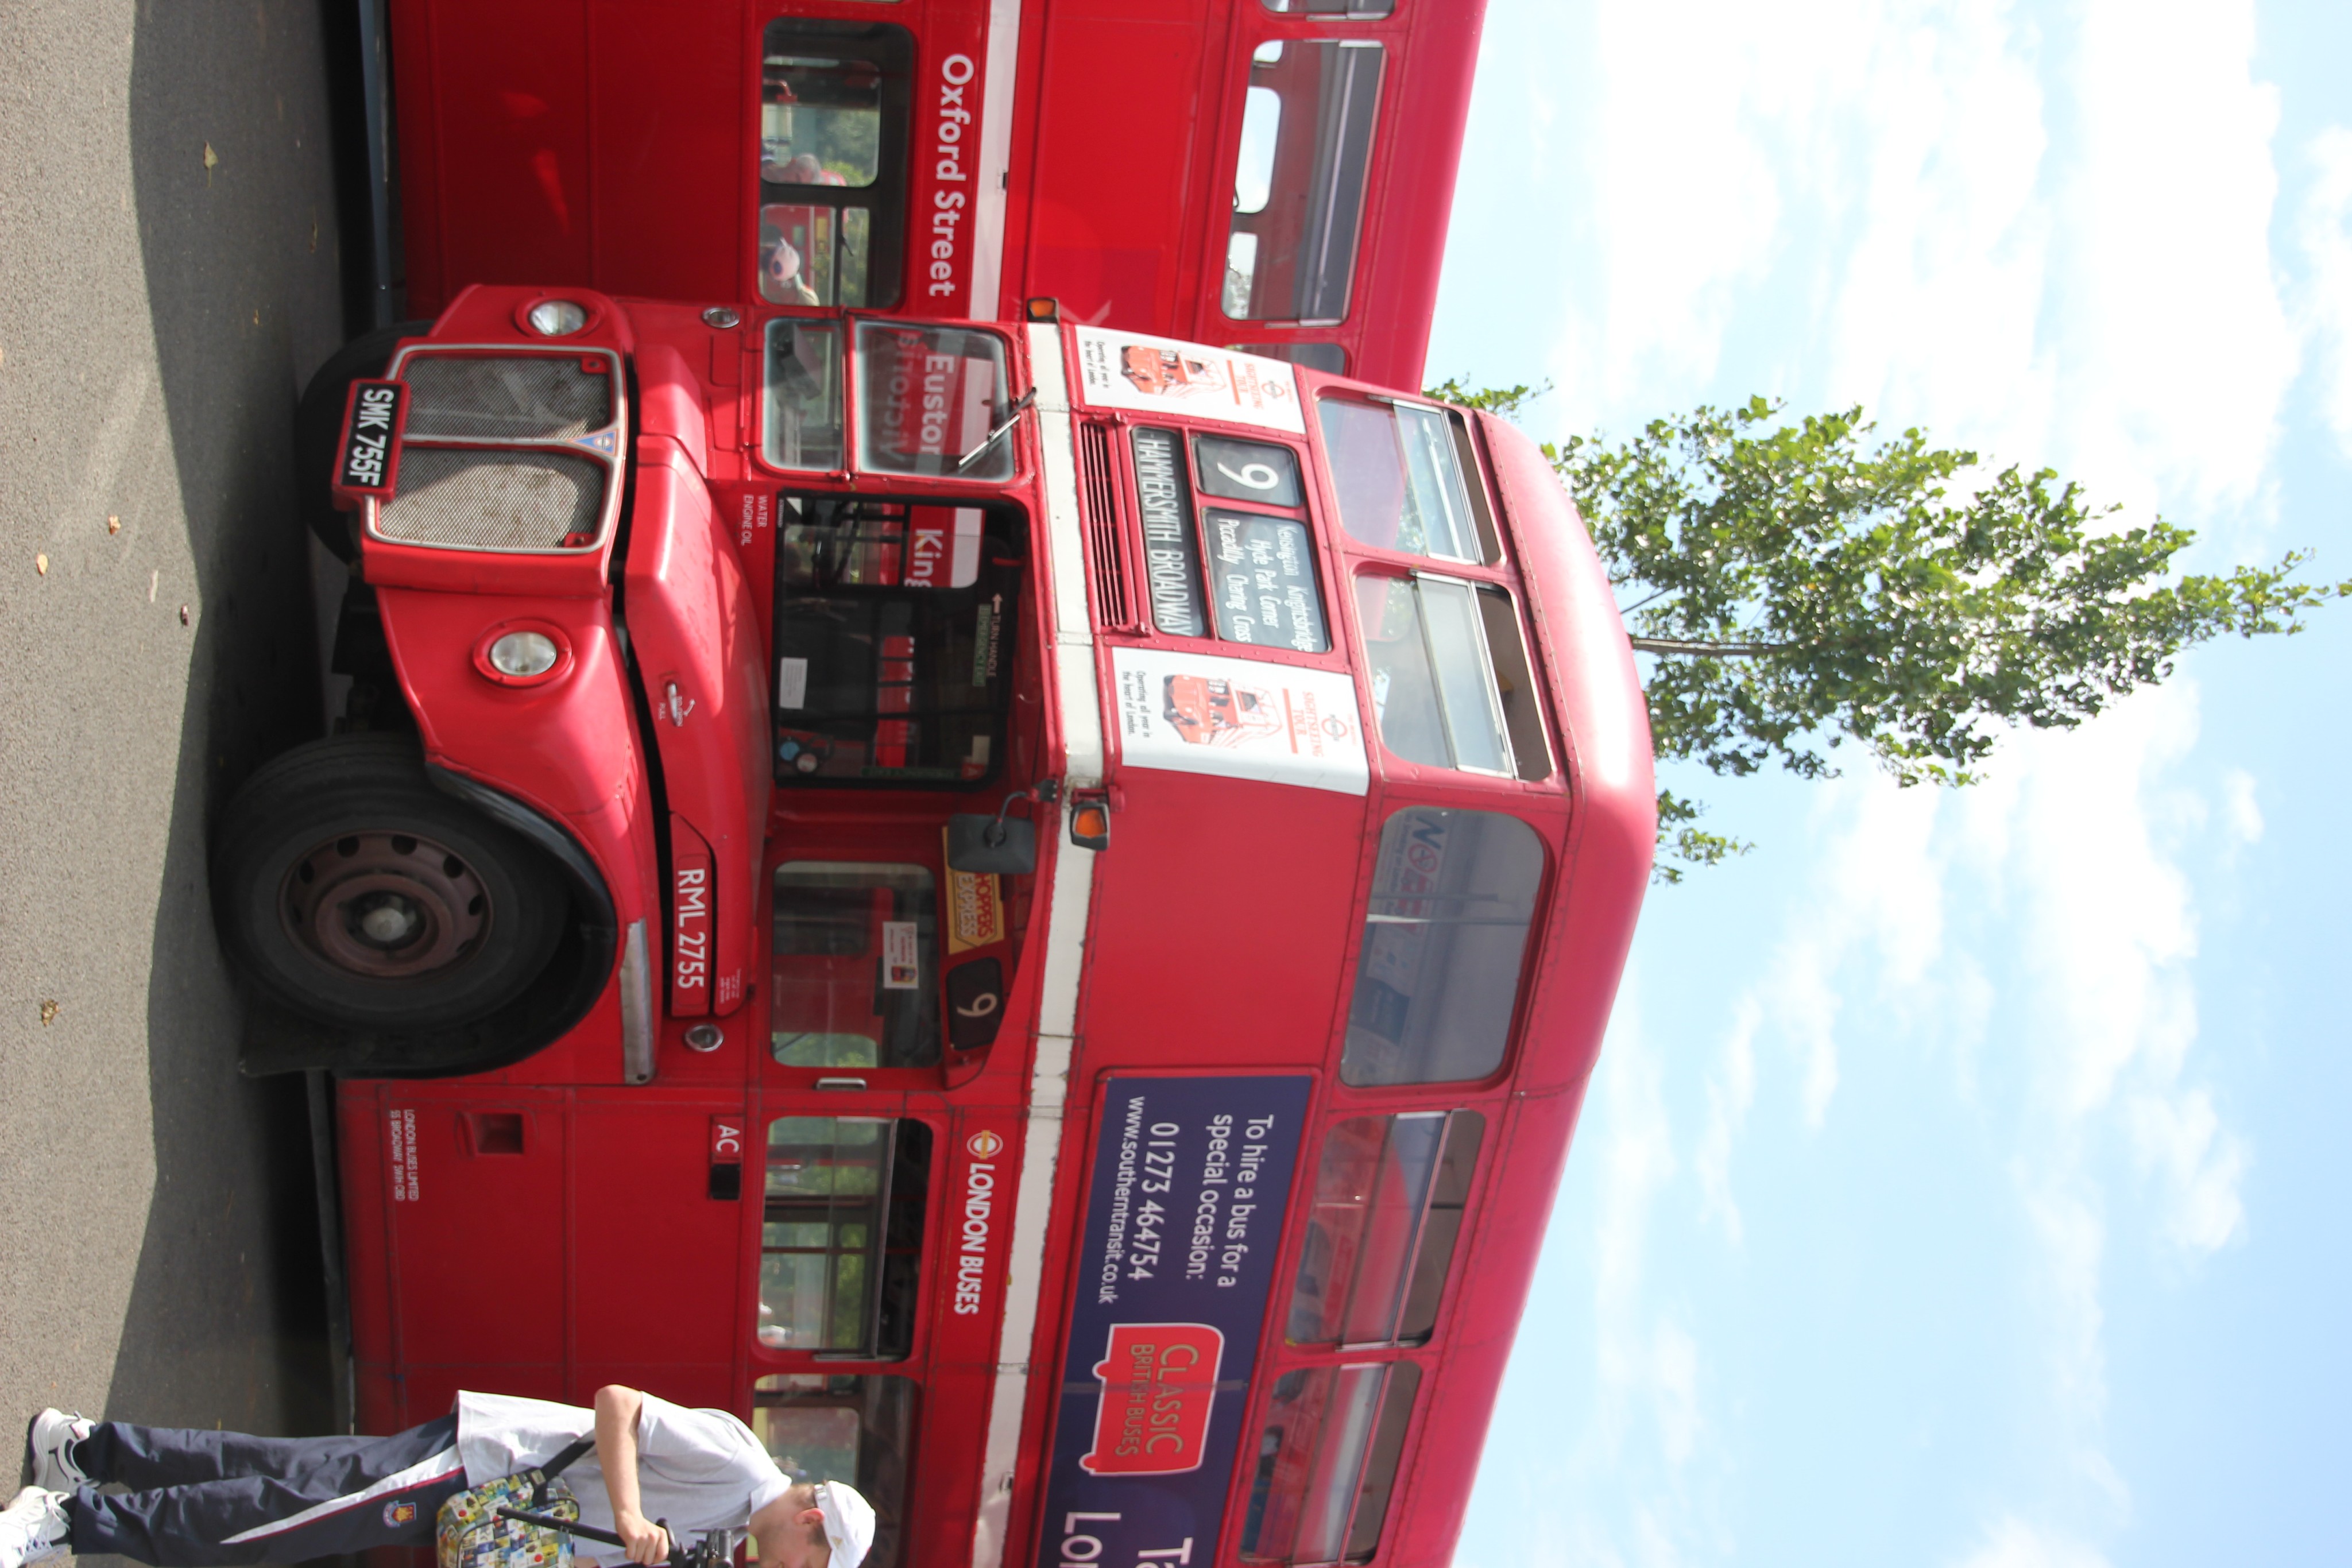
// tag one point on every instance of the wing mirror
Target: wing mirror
(1002, 845)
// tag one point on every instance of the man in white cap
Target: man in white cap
(199, 1498)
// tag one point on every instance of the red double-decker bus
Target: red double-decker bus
(1275, 175)
(1029, 908)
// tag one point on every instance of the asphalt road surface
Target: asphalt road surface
(168, 279)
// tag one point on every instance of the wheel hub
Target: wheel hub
(385, 905)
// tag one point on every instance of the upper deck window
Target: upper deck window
(1398, 467)
(1327, 1461)
(1451, 683)
(1445, 939)
(1388, 1209)
(853, 1428)
(832, 161)
(894, 624)
(1298, 179)
(928, 400)
(841, 1234)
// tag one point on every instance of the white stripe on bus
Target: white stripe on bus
(1065, 934)
(423, 1472)
(997, 77)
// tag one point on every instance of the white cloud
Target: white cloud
(1684, 202)
(2181, 1136)
(2047, 238)
(1637, 1160)
(2013, 1543)
(1877, 894)
(1730, 1092)
(2073, 968)
(1674, 1380)
(2175, 350)
(2324, 230)
(2111, 929)
(2042, 231)
(1937, 307)
(2241, 812)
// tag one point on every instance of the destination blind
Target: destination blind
(1172, 553)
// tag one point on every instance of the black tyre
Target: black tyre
(356, 896)
(318, 426)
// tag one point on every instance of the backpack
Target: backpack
(468, 1533)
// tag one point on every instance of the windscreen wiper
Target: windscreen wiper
(1012, 417)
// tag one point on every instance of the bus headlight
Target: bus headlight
(557, 318)
(523, 654)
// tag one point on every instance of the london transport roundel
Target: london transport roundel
(984, 1145)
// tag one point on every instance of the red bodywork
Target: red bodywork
(550, 1227)
(612, 144)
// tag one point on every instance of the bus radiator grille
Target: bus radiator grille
(520, 397)
(1106, 543)
(493, 500)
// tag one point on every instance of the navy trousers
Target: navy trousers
(202, 1497)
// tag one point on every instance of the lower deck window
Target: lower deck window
(1326, 1460)
(856, 1428)
(841, 1234)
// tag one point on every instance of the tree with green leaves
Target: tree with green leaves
(1801, 584)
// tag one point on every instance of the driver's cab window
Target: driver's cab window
(833, 151)
(855, 966)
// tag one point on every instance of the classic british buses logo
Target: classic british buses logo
(1159, 1385)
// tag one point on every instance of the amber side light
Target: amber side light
(1090, 823)
(1045, 307)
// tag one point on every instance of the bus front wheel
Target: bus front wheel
(358, 896)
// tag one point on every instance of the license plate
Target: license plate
(368, 461)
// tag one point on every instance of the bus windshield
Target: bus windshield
(927, 397)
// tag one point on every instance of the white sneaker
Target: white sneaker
(48, 1450)
(34, 1528)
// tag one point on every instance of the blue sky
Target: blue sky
(1961, 1183)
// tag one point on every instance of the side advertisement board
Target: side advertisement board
(1184, 1210)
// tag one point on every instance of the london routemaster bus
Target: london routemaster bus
(1028, 906)
(1268, 173)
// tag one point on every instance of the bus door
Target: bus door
(881, 1232)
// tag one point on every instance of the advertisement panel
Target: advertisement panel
(1161, 375)
(1183, 1230)
(1197, 713)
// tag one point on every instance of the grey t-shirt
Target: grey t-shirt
(699, 1470)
